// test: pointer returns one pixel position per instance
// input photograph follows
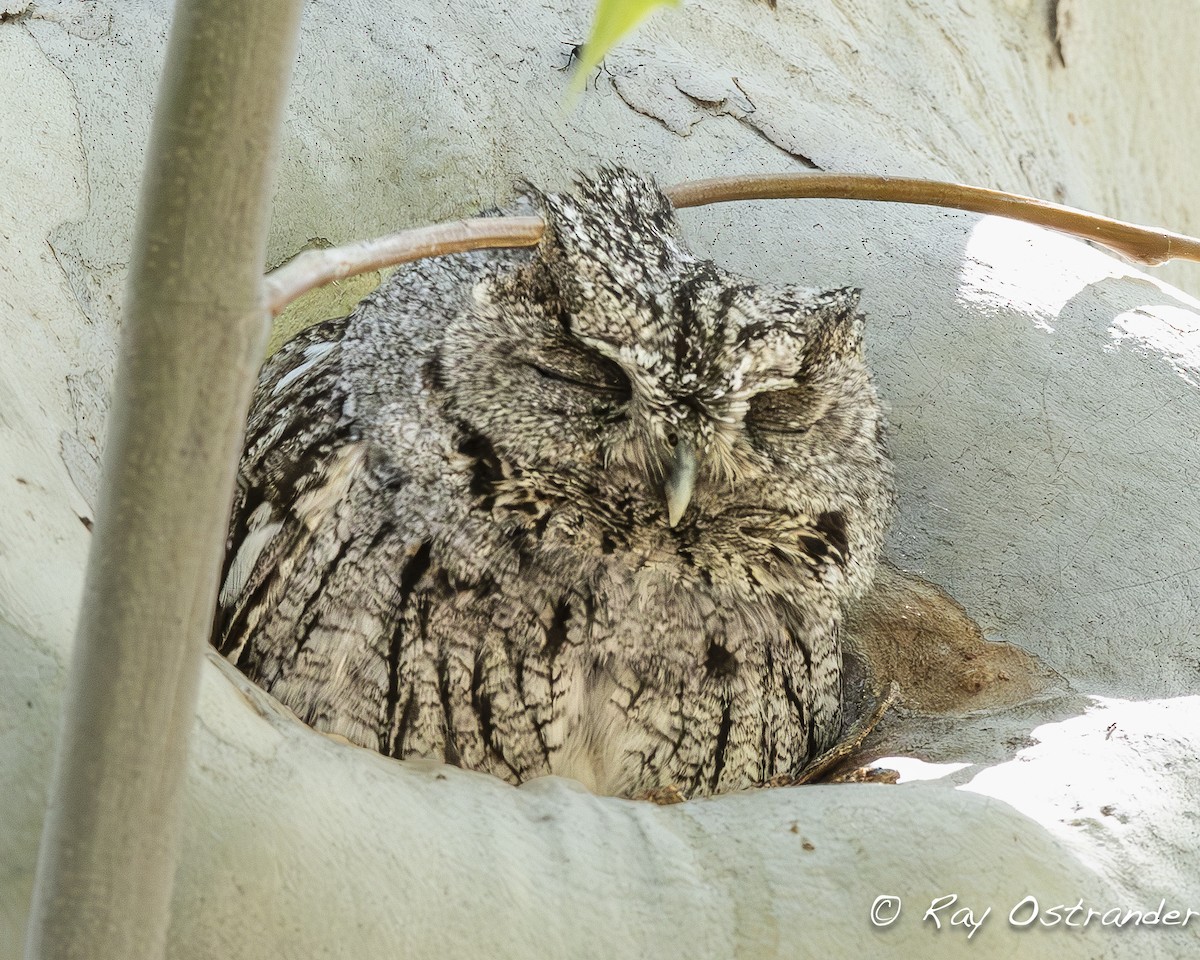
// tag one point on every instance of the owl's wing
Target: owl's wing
(298, 444)
(319, 571)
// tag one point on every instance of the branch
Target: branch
(314, 268)
(191, 339)
(1142, 244)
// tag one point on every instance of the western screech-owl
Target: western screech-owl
(591, 510)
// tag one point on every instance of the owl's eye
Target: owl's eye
(583, 369)
(786, 411)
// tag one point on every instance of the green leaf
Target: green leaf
(614, 19)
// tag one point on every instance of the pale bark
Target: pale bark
(1043, 409)
(193, 332)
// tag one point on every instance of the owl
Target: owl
(593, 509)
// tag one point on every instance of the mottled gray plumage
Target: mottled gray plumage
(453, 535)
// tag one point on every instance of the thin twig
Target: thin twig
(315, 268)
(852, 740)
(1143, 244)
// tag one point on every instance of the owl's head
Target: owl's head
(632, 379)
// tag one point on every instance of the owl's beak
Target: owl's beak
(681, 481)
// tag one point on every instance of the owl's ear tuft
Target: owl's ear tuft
(628, 195)
(613, 208)
(527, 191)
(840, 301)
(838, 326)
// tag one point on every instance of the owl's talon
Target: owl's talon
(664, 796)
(867, 775)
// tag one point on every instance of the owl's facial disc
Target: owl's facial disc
(655, 388)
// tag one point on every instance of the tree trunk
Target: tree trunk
(193, 334)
